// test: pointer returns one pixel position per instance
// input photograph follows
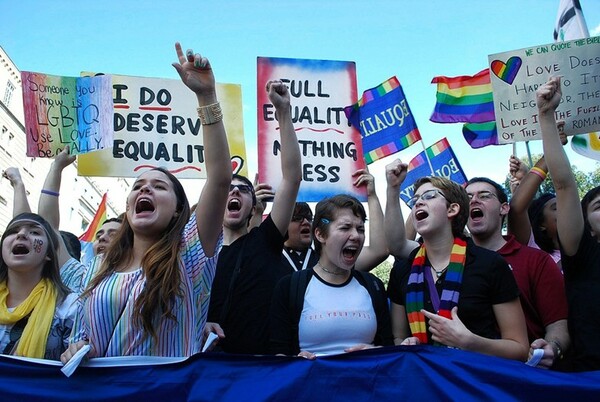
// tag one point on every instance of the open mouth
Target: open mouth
(349, 252)
(305, 230)
(234, 205)
(20, 249)
(144, 205)
(420, 215)
(476, 213)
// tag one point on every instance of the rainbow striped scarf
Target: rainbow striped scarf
(417, 287)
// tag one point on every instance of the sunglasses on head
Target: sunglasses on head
(243, 188)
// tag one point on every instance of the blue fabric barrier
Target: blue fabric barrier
(417, 373)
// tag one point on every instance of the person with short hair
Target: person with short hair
(449, 291)
(339, 309)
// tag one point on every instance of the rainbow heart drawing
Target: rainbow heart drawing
(236, 164)
(507, 72)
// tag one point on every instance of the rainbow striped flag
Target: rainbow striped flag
(480, 135)
(464, 99)
(384, 120)
(96, 223)
(444, 164)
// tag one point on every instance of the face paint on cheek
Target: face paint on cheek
(37, 245)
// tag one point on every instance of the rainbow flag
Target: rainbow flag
(96, 223)
(444, 164)
(480, 135)
(464, 99)
(384, 120)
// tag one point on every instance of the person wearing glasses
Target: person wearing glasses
(449, 291)
(540, 281)
(297, 252)
(250, 261)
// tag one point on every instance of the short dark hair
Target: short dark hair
(248, 183)
(500, 193)
(326, 212)
(585, 203)
(72, 244)
(303, 209)
(536, 219)
(454, 193)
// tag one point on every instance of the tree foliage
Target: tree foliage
(585, 181)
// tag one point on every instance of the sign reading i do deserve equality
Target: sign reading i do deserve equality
(156, 124)
(516, 75)
(331, 148)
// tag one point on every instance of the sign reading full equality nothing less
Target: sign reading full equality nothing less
(516, 75)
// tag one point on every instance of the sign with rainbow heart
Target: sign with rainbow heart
(156, 124)
(331, 148)
(516, 75)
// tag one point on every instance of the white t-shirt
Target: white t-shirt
(336, 317)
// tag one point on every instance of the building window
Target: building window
(10, 88)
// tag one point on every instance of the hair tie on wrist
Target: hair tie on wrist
(538, 172)
(50, 192)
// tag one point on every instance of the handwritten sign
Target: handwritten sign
(331, 148)
(516, 75)
(156, 124)
(61, 111)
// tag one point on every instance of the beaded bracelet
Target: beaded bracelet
(210, 114)
(50, 192)
(539, 172)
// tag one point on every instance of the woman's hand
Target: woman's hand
(196, 73)
(70, 352)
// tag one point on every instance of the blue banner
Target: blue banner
(416, 373)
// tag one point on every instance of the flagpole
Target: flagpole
(427, 157)
(528, 153)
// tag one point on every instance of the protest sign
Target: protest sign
(516, 75)
(61, 111)
(156, 125)
(331, 148)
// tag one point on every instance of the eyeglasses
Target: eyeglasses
(427, 195)
(482, 195)
(300, 218)
(243, 188)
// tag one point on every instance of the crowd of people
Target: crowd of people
(165, 276)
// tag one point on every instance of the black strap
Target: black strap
(15, 334)
(234, 276)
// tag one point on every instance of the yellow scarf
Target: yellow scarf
(41, 303)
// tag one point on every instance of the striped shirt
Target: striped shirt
(105, 320)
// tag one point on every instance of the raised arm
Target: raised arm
(196, 73)
(529, 183)
(48, 206)
(20, 202)
(395, 233)
(376, 252)
(264, 193)
(291, 163)
(569, 216)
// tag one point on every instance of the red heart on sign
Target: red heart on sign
(236, 164)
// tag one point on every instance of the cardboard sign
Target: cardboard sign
(331, 148)
(61, 111)
(156, 125)
(516, 76)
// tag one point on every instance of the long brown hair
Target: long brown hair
(160, 265)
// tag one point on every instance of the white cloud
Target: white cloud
(595, 31)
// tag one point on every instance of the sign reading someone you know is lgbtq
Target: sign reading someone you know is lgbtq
(61, 111)
(331, 148)
(516, 75)
(156, 125)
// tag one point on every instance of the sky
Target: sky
(413, 40)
